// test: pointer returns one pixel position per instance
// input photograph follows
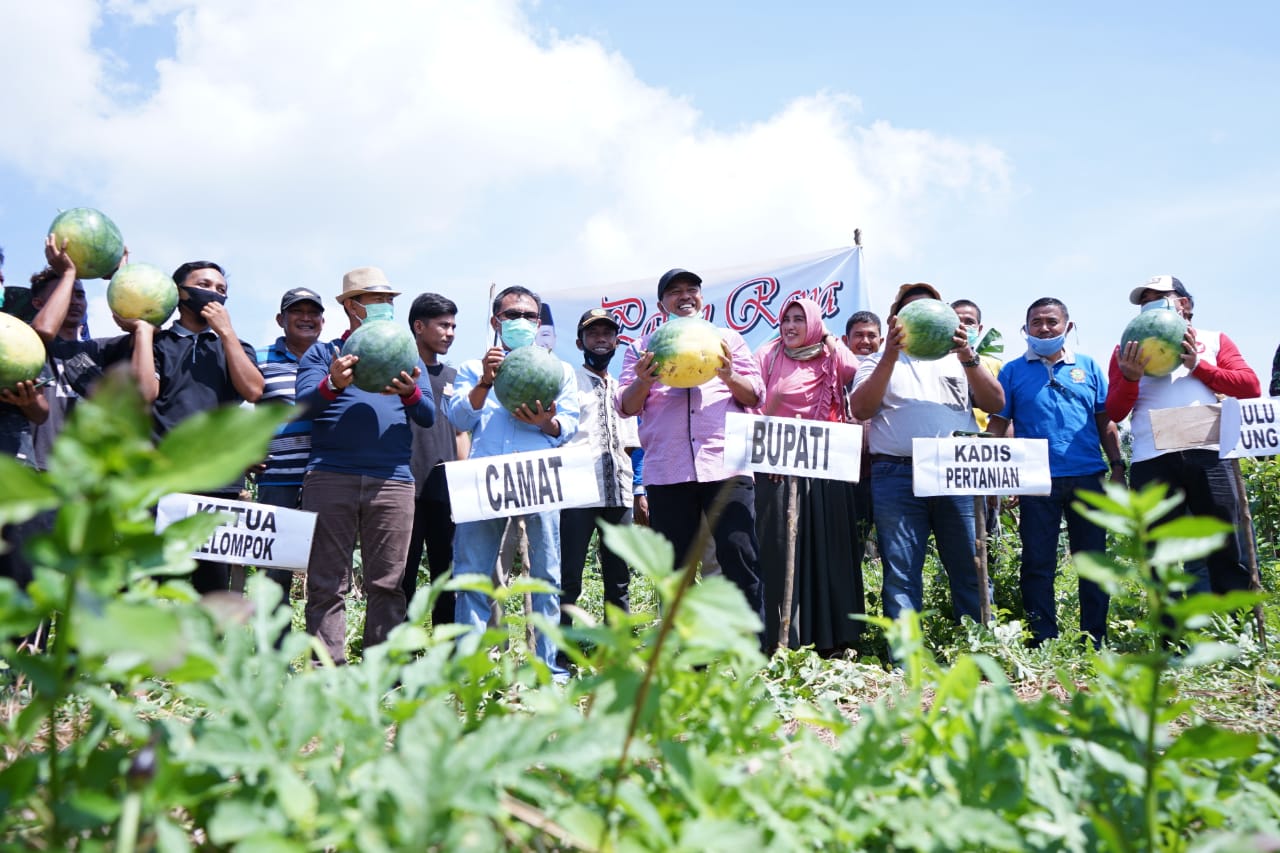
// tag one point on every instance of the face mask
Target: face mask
(1155, 304)
(1046, 346)
(598, 361)
(518, 333)
(378, 312)
(198, 297)
(974, 334)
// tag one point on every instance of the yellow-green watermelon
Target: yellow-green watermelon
(93, 241)
(928, 326)
(142, 292)
(385, 348)
(1159, 335)
(527, 376)
(21, 352)
(687, 351)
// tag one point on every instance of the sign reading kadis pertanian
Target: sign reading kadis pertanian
(256, 535)
(973, 465)
(1249, 428)
(800, 448)
(521, 483)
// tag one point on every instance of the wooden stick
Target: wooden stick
(1250, 550)
(980, 556)
(789, 580)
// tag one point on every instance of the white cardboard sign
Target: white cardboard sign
(1249, 428)
(522, 483)
(801, 448)
(980, 466)
(259, 535)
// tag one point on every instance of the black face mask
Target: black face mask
(598, 362)
(196, 298)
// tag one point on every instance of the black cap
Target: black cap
(597, 315)
(670, 277)
(300, 294)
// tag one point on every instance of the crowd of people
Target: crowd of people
(370, 464)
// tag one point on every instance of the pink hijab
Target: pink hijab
(783, 378)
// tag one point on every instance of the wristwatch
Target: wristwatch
(334, 388)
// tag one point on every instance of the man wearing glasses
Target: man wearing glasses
(1211, 365)
(1053, 393)
(474, 408)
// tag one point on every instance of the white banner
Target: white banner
(1249, 428)
(259, 535)
(746, 298)
(801, 448)
(980, 466)
(522, 483)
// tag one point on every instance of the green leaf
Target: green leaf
(1207, 742)
(151, 631)
(1191, 527)
(1106, 572)
(26, 492)
(644, 550)
(1170, 551)
(1208, 604)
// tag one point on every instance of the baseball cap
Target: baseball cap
(1162, 283)
(299, 294)
(597, 315)
(670, 277)
(908, 289)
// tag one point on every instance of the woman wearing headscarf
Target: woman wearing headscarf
(806, 370)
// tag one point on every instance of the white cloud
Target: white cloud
(447, 142)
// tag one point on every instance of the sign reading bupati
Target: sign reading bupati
(801, 448)
(258, 534)
(1249, 428)
(521, 483)
(980, 466)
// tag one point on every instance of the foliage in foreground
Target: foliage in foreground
(161, 722)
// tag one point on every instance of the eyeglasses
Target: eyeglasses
(533, 316)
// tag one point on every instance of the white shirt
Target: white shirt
(607, 433)
(924, 399)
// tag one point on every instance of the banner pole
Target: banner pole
(789, 579)
(1251, 551)
(980, 556)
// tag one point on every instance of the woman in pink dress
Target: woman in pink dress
(806, 370)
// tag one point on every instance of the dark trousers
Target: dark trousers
(1210, 489)
(1041, 520)
(676, 511)
(576, 527)
(432, 528)
(287, 497)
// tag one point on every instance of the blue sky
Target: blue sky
(1001, 151)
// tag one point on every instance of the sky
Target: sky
(1001, 151)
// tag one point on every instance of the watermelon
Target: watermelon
(929, 326)
(1159, 334)
(142, 292)
(687, 351)
(93, 241)
(21, 352)
(527, 376)
(386, 349)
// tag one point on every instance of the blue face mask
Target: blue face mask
(974, 334)
(518, 333)
(378, 312)
(1046, 346)
(1157, 304)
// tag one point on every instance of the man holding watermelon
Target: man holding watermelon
(901, 398)
(682, 432)
(1211, 365)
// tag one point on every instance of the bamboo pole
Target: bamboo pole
(789, 580)
(980, 557)
(1250, 549)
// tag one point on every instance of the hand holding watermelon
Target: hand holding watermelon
(646, 368)
(404, 384)
(725, 370)
(537, 416)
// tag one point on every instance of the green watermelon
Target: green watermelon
(687, 351)
(929, 326)
(21, 352)
(527, 376)
(142, 292)
(93, 241)
(385, 348)
(1159, 333)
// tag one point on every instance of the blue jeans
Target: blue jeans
(475, 550)
(1041, 520)
(903, 523)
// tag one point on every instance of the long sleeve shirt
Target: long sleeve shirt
(495, 430)
(682, 429)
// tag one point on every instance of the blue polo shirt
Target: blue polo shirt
(1058, 403)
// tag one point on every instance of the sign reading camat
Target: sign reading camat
(1249, 428)
(258, 534)
(980, 466)
(801, 448)
(521, 483)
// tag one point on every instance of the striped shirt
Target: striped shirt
(289, 450)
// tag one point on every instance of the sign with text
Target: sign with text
(1249, 428)
(257, 535)
(522, 483)
(800, 448)
(980, 466)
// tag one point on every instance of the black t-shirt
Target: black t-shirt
(74, 366)
(435, 444)
(192, 368)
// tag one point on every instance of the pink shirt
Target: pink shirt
(682, 429)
